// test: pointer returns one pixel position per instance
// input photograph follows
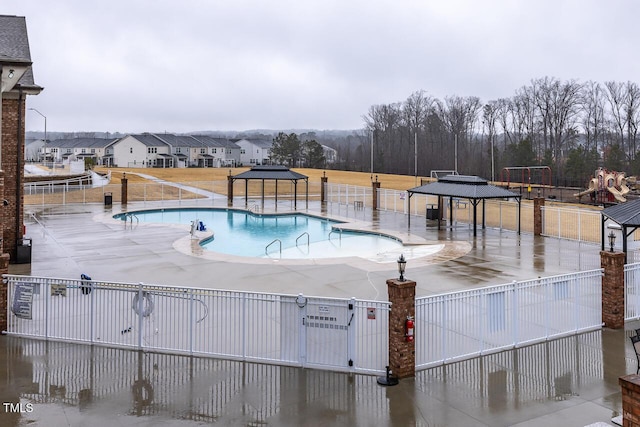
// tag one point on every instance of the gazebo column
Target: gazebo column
(262, 194)
(246, 193)
(276, 194)
(484, 214)
(295, 195)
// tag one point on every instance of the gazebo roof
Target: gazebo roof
(272, 172)
(464, 187)
(626, 214)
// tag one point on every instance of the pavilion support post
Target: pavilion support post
(246, 193)
(262, 195)
(276, 198)
(306, 181)
(229, 190)
(375, 186)
(295, 195)
(484, 214)
(323, 184)
(538, 205)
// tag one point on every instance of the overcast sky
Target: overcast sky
(189, 65)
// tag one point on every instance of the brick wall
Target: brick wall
(375, 186)
(630, 385)
(402, 354)
(612, 289)
(538, 203)
(12, 147)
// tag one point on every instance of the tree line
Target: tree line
(570, 126)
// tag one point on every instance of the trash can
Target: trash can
(432, 213)
(108, 199)
(23, 253)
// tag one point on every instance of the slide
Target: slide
(617, 194)
(593, 186)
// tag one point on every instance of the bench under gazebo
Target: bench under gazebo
(269, 173)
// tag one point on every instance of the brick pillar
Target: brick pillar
(323, 182)
(375, 186)
(630, 385)
(612, 289)
(124, 189)
(2, 213)
(230, 190)
(12, 147)
(538, 204)
(4, 293)
(402, 354)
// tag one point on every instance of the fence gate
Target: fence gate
(327, 332)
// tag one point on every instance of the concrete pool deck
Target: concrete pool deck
(568, 382)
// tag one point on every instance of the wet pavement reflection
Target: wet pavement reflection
(570, 381)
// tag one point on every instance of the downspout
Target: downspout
(20, 154)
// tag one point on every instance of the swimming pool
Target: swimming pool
(280, 236)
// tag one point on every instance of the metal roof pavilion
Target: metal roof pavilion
(473, 188)
(626, 215)
(270, 173)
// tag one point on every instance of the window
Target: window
(93, 151)
(178, 150)
(214, 151)
(228, 150)
(152, 150)
(203, 151)
(69, 150)
(131, 150)
(242, 151)
(84, 151)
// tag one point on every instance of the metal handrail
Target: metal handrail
(301, 236)
(266, 248)
(339, 230)
(131, 216)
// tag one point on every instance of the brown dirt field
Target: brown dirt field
(398, 182)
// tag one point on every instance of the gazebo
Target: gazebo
(270, 173)
(627, 216)
(472, 188)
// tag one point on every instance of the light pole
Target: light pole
(45, 123)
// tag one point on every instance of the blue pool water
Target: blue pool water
(290, 236)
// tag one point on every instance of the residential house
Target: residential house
(185, 149)
(219, 152)
(255, 151)
(60, 150)
(330, 154)
(142, 151)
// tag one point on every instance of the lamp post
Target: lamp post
(402, 264)
(45, 123)
(612, 240)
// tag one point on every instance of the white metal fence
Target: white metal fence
(466, 324)
(632, 291)
(571, 223)
(324, 333)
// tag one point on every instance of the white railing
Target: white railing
(324, 333)
(571, 223)
(461, 325)
(632, 291)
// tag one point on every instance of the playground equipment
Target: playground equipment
(606, 187)
(541, 177)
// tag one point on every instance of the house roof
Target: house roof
(464, 187)
(149, 140)
(14, 46)
(261, 143)
(81, 142)
(270, 172)
(210, 141)
(179, 140)
(626, 214)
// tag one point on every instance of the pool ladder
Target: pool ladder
(130, 216)
(302, 235)
(336, 230)
(266, 248)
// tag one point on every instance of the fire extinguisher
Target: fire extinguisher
(409, 327)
